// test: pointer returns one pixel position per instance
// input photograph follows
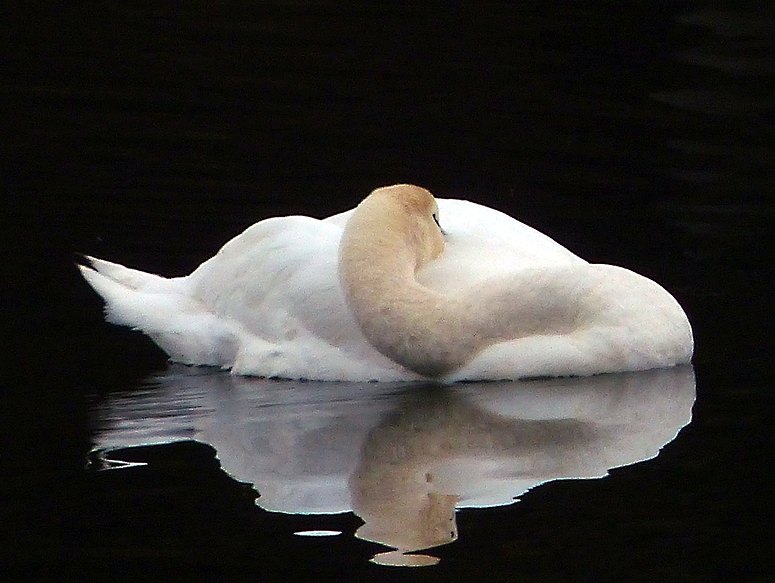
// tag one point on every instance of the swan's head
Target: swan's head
(413, 212)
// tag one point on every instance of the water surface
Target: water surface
(401, 457)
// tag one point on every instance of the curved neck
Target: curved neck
(381, 249)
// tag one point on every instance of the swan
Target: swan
(403, 287)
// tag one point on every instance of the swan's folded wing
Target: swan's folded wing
(486, 244)
(278, 284)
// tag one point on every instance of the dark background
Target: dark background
(149, 133)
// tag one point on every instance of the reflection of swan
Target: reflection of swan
(404, 457)
(382, 293)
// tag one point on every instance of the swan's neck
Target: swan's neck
(380, 252)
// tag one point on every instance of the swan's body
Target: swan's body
(382, 293)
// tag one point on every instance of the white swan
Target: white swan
(382, 292)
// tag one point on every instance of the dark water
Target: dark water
(149, 133)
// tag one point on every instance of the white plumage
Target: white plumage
(272, 302)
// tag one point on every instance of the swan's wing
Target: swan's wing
(494, 229)
(483, 243)
(595, 319)
(277, 275)
(278, 284)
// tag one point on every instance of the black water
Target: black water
(148, 133)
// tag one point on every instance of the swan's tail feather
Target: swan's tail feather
(131, 278)
(124, 303)
(162, 309)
